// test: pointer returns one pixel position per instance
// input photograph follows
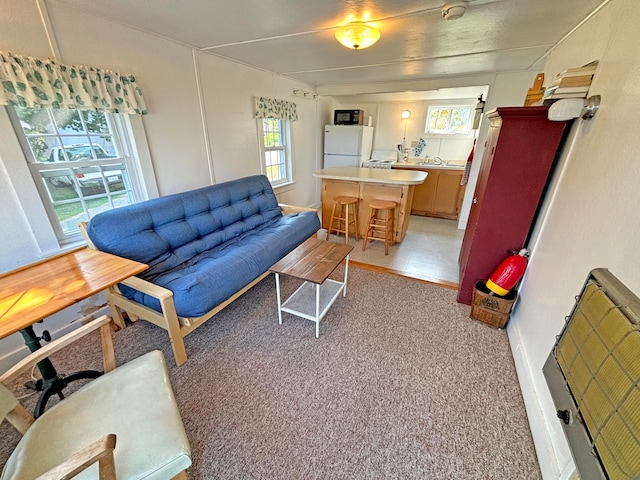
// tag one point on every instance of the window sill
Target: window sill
(449, 135)
(284, 187)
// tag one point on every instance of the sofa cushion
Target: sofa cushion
(210, 278)
(203, 245)
(168, 231)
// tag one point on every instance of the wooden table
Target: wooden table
(36, 291)
(313, 262)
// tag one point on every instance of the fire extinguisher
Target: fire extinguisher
(508, 273)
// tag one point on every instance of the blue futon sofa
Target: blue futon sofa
(204, 249)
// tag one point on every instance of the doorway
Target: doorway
(431, 245)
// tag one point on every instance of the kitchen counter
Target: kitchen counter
(372, 175)
(441, 194)
(368, 184)
(420, 165)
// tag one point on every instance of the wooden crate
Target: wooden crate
(492, 310)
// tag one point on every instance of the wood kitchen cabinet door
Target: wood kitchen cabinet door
(446, 198)
(519, 155)
(424, 195)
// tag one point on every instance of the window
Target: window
(275, 148)
(449, 119)
(78, 163)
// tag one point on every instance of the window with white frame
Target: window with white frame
(449, 119)
(77, 160)
(275, 150)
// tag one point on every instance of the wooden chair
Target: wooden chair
(340, 213)
(382, 225)
(132, 405)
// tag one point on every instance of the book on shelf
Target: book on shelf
(578, 81)
(576, 77)
(565, 95)
(587, 69)
(552, 90)
(556, 93)
(577, 72)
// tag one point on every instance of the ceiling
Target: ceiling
(295, 38)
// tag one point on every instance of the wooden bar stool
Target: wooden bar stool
(380, 225)
(343, 217)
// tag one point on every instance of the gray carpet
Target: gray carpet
(401, 384)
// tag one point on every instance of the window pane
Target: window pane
(275, 165)
(39, 130)
(41, 147)
(454, 119)
(68, 121)
(35, 120)
(59, 184)
(75, 163)
(69, 215)
(438, 119)
(460, 119)
(276, 161)
(96, 122)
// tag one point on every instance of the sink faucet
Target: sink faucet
(437, 161)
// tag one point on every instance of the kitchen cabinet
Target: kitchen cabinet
(368, 184)
(519, 154)
(440, 195)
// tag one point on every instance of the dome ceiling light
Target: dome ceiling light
(357, 35)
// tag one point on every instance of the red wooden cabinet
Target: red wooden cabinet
(518, 157)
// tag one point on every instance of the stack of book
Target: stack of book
(571, 83)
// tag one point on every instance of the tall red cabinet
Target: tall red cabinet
(519, 153)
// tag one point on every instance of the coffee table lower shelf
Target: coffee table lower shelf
(311, 300)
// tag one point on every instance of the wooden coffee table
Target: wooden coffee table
(313, 262)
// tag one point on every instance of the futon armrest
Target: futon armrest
(99, 451)
(289, 209)
(108, 355)
(149, 288)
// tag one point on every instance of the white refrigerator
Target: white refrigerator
(347, 145)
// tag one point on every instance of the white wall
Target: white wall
(200, 128)
(389, 126)
(591, 218)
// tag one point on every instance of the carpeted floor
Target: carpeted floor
(401, 384)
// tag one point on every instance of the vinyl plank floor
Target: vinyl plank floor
(429, 251)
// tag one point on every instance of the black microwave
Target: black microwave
(348, 117)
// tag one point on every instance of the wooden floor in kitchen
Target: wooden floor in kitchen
(429, 251)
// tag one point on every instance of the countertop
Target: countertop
(418, 164)
(372, 175)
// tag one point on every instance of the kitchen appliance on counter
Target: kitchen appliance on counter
(381, 159)
(348, 117)
(347, 145)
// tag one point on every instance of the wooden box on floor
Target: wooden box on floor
(491, 309)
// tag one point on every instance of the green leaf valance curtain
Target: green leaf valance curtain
(28, 82)
(273, 108)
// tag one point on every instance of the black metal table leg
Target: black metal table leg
(51, 383)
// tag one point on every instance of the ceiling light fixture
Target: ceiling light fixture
(357, 35)
(454, 10)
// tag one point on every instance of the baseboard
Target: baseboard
(554, 457)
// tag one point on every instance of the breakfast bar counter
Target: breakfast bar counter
(368, 184)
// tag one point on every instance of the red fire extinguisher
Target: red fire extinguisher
(508, 273)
